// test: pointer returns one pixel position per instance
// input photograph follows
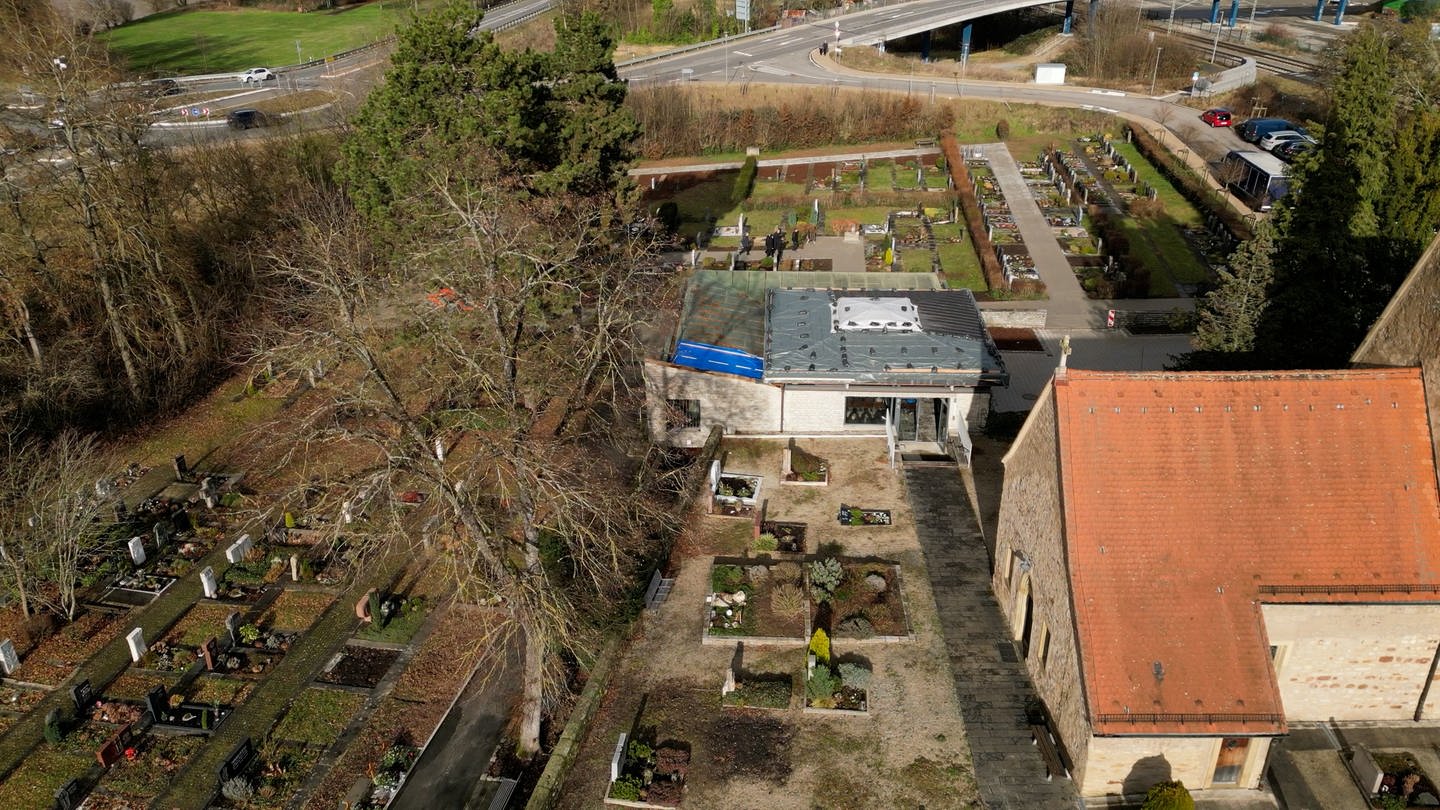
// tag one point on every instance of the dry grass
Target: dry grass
(910, 752)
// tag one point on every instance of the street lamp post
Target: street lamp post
(1216, 47)
(1171, 25)
(1154, 74)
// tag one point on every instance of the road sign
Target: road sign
(205, 111)
(742, 10)
(194, 110)
(185, 111)
(1195, 77)
(1110, 319)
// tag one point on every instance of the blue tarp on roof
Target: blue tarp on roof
(705, 357)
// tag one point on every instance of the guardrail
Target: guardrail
(699, 46)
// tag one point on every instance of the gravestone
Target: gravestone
(83, 694)
(235, 552)
(156, 702)
(238, 762)
(210, 652)
(180, 468)
(104, 487)
(69, 795)
(207, 582)
(137, 550)
(232, 627)
(617, 760)
(163, 533)
(114, 748)
(294, 568)
(121, 513)
(9, 661)
(136, 639)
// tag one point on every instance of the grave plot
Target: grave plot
(734, 494)
(53, 660)
(280, 771)
(835, 685)
(358, 666)
(19, 698)
(857, 600)
(393, 619)
(782, 537)
(295, 610)
(203, 621)
(318, 716)
(178, 714)
(760, 599)
(800, 466)
(858, 516)
(644, 773)
(131, 687)
(135, 779)
(33, 784)
(252, 571)
(756, 690)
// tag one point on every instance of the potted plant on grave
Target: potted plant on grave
(834, 685)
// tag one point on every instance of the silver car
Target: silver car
(1274, 139)
(256, 75)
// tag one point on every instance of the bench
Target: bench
(1049, 751)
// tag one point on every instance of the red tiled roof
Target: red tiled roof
(1191, 498)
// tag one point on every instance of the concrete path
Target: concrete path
(449, 773)
(1068, 306)
(992, 691)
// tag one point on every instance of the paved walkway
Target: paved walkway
(992, 692)
(1068, 306)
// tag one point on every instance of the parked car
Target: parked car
(1290, 150)
(257, 75)
(1217, 117)
(247, 118)
(1257, 128)
(1279, 136)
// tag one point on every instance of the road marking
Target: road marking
(773, 71)
(1107, 92)
(742, 53)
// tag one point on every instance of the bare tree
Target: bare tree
(488, 370)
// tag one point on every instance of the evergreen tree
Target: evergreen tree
(1229, 314)
(594, 132)
(1325, 293)
(1411, 209)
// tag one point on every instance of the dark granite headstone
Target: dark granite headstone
(69, 796)
(121, 513)
(156, 702)
(114, 748)
(84, 696)
(180, 468)
(238, 762)
(163, 533)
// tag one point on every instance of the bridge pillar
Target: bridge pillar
(1069, 16)
(925, 47)
(1215, 11)
(965, 43)
(1339, 11)
(1093, 3)
(1234, 12)
(1319, 9)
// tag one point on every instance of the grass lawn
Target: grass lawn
(33, 784)
(1176, 205)
(318, 716)
(214, 41)
(958, 260)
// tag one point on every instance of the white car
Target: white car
(1274, 139)
(256, 75)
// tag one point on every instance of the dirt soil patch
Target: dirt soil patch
(360, 666)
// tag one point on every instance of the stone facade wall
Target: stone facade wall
(1030, 526)
(1353, 662)
(737, 404)
(1131, 765)
(811, 411)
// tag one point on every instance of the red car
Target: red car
(1216, 117)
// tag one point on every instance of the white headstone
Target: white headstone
(294, 568)
(207, 582)
(729, 685)
(136, 639)
(347, 513)
(137, 550)
(245, 544)
(439, 449)
(9, 662)
(617, 761)
(714, 475)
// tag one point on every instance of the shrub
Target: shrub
(53, 732)
(767, 542)
(822, 685)
(854, 676)
(825, 576)
(726, 578)
(249, 633)
(745, 182)
(1002, 129)
(786, 572)
(757, 573)
(669, 215)
(1168, 796)
(820, 646)
(858, 626)
(238, 790)
(641, 752)
(787, 599)
(626, 788)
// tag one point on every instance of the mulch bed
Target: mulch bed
(360, 666)
(1015, 340)
(56, 657)
(855, 598)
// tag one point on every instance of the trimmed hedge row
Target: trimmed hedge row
(1190, 183)
(970, 205)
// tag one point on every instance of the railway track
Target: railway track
(1292, 67)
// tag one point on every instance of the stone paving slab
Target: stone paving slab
(992, 692)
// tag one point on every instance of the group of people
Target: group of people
(774, 243)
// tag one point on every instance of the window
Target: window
(682, 413)
(866, 410)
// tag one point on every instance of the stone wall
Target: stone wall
(1353, 662)
(1030, 527)
(737, 404)
(1131, 765)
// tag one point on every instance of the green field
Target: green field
(208, 41)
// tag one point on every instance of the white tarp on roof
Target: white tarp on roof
(875, 314)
